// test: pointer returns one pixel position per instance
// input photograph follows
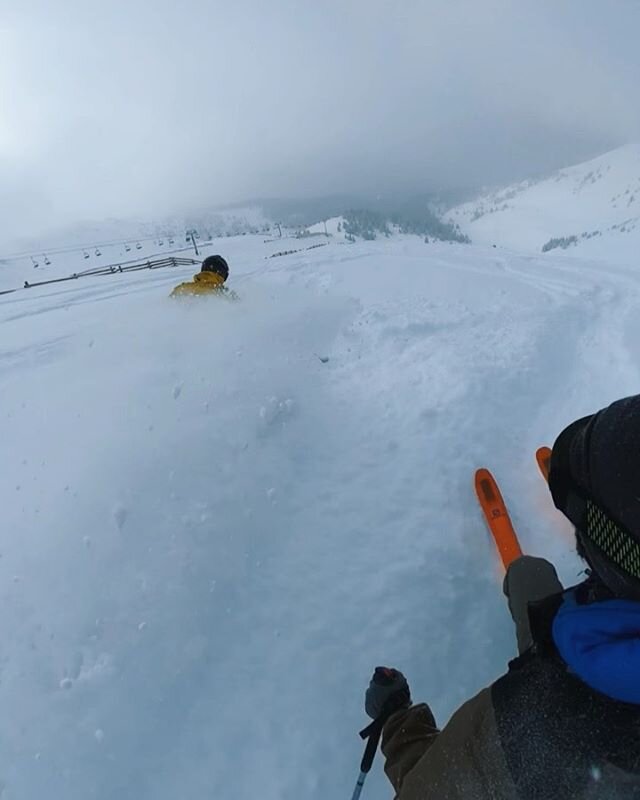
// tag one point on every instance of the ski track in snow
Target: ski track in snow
(211, 537)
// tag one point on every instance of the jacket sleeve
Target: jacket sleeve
(406, 737)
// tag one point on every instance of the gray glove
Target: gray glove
(388, 692)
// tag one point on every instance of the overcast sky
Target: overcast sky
(143, 107)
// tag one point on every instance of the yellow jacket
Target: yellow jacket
(202, 283)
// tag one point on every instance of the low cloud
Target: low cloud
(147, 108)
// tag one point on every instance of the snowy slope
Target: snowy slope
(597, 202)
(210, 537)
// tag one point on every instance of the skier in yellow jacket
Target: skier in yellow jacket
(210, 280)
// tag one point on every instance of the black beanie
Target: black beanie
(216, 264)
(595, 482)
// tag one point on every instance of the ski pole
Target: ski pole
(372, 734)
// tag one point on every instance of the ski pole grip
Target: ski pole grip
(372, 734)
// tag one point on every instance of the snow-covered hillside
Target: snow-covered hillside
(593, 206)
(218, 518)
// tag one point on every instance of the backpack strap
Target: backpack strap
(543, 612)
(541, 616)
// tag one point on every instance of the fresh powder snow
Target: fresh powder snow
(217, 517)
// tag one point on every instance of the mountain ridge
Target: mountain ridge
(593, 206)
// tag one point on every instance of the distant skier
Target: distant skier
(564, 722)
(210, 280)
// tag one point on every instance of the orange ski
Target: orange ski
(543, 457)
(497, 516)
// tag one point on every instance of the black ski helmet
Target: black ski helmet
(595, 481)
(216, 264)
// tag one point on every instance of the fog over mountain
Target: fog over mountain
(138, 108)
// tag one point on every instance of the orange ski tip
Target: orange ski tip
(543, 457)
(497, 516)
(486, 487)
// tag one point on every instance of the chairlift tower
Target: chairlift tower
(191, 236)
